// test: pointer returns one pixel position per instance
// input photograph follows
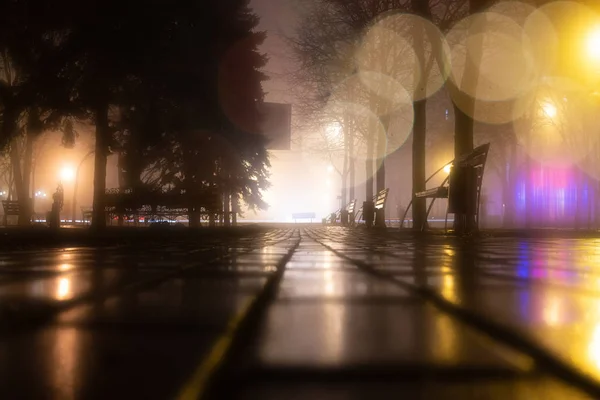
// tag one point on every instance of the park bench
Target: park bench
(379, 200)
(333, 217)
(337, 216)
(162, 205)
(350, 209)
(307, 215)
(464, 171)
(11, 207)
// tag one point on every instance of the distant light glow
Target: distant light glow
(67, 173)
(334, 132)
(447, 168)
(549, 109)
(65, 267)
(549, 196)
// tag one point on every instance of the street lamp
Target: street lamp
(549, 109)
(593, 44)
(67, 173)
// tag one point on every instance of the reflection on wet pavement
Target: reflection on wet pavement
(345, 319)
(117, 340)
(545, 289)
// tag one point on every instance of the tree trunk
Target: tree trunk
(510, 205)
(369, 168)
(578, 198)
(381, 152)
(227, 209)
(528, 191)
(344, 190)
(464, 110)
(351, 169)
(26, 213)
(418, 164)
(100, 158)
(21, 190)
(194, 217)
(234, 207)
(420, 113)
(352, 179)
(380, 165)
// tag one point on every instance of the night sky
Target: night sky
(277, 19)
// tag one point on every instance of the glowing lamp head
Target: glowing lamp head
(447, 168)
(67, 173)
(549, 110)
(593, 44)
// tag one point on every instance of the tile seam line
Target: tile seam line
(205, 378)
(496, 331)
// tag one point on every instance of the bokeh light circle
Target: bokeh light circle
(491, 57)
(387, 49)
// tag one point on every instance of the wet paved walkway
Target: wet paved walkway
(318, 312)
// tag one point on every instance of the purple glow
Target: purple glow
(554, 197)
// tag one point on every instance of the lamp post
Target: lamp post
(76, 184)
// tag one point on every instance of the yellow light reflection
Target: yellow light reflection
(65, 361)
(333, 332)
(594, 347)
(552, 313)
(64, 289)
(329, 284)
(446, 344)
(448, 288)
(65, 267)
(449, 252)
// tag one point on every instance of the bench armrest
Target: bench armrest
(440, 192)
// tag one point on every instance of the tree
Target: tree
(31, 97)
(395, 66)
(198, 128)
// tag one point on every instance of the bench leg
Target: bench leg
(405, 214)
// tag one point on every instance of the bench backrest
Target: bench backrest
(351, 206)
(11, 207)
(381, 198)
(469, 166)
(309, 215)
(476, 158)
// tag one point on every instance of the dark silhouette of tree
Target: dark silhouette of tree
(190, 111)
(32, 84)
(151, 78)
